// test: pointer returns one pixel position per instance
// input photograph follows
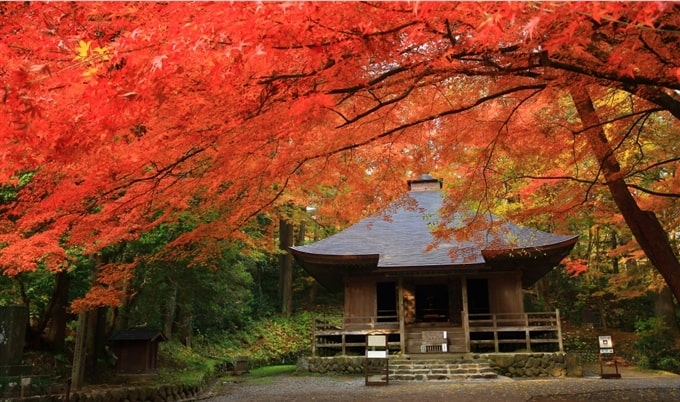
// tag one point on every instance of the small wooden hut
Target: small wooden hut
(137, 350)
(459, 296)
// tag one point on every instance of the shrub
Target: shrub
(656, 345)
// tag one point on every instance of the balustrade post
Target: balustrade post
(314, 328)
(559, 329)
(466, 330)
(527, 333)
(495, 333)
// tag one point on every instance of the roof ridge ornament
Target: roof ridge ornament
(425, 183)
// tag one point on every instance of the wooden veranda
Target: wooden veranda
(509, 332)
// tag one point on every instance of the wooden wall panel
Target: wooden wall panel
(455, 300)
(505, 293)
(360, 297)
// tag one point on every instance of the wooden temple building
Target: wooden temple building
(459, 296)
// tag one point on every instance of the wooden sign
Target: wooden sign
(606, 344)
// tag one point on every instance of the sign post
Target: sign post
(607, 355)
(376, 365)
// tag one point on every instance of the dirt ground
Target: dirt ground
(634, 385)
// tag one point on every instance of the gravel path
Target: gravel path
(633, 386)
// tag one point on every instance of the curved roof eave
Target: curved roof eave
(534, 250)
(349, 260)
(535, 262)
(324, 267)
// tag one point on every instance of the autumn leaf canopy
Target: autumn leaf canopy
(119, 116)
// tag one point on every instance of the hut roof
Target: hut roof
(138, 334)
(400, 238)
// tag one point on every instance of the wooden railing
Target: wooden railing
(523, 329)
(361, 324)
(498, 332)
(340, 334)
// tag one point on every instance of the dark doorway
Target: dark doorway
(387, 301)
(432, 303)
(478, 296)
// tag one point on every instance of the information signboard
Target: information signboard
(607, 353)
(605, 342)
(377, 362)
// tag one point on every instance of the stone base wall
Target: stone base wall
(335, 364)
(161, 393)
(11, 392)
(557, 364)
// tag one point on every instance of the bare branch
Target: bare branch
(653, 192)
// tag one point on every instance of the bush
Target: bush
(271, 340)
(281, 340)
(656, 345)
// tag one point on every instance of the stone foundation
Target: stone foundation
(335, 364)
(514, 365)
(159, 393)
(529, 364)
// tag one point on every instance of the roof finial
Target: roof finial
(425, 183)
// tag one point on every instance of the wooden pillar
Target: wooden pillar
(527, 332)
(559, 329)
(286, 266)
(466, 321)
(313, 339)
(402, 324)
(495, 333)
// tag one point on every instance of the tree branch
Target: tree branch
(425, 119)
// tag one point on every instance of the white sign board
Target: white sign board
(376, 354)
(377, 341)
(605, 342)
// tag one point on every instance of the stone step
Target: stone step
(439, 365)
(440, 370)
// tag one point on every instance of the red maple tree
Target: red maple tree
(125, 115)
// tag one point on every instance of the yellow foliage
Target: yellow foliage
(82, 50)
(103, 52)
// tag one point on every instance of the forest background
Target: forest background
(158, 158)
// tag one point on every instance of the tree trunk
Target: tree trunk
(185, 323)
(170, 310)
(55, 332)
(644, 225)
(664, 307)
(79, 351)
(121, 314)
(302, 233)
(95, 340)
(183, 326)
(286, 266)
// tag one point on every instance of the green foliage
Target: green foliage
(579, 343)
(182, 365)
(35, 288)
(266, 374)
(656, 345)
(269, 341)
(9, 292)
(10, 191)
(574, 295)
(10, 387)
(281, 340)
(216, 299)
(269, 371)
(272, 346)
